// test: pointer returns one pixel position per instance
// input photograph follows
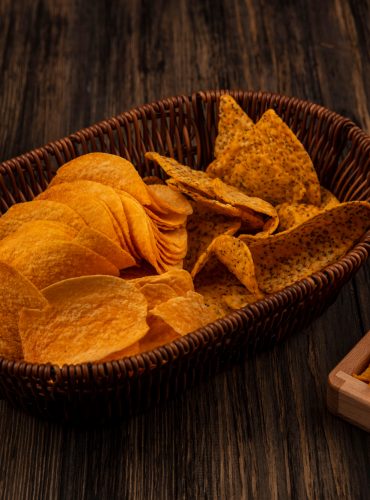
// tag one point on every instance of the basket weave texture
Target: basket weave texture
(185, 128)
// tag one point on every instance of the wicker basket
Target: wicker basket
(185, 127)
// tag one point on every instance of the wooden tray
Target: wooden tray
(347, 396)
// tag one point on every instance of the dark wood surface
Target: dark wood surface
(260, 430)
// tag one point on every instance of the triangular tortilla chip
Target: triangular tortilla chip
(203, 227)
(284, 258)
(269, 163)
(232, 125)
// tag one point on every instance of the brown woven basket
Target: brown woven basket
(185, 127)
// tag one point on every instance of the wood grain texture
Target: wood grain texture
(260, 430)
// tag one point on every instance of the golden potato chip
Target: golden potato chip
(112, 201)
(159, 333)
(141, 230)
(87, 319)
(167, 221)
(178, 280)
(195, 183)
(184, 314)
(203, 227)
(270, 163)
(102, 245)
(46, 261)
(21, 213)
(236, 256)
(107, 169)
(32, 232)
(168, 200)
(156, 293)
(93, 211)
(232, 125)
(16, 292)
(284, 258)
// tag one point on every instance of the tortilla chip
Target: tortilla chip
(93, 211)
(99, 243)
(328, 199)
(21, 213)
(291, 215)
(107, 169)
(184, 314)
(236, 256)
(269, 163)
(203, 227)
(88, 319)
(47, 261)
(197, 184)
(232, 125)
(221, 290)
(284, 258)
(16, 292)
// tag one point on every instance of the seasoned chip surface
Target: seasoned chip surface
(87, 319)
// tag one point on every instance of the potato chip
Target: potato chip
(21, 213)
(270, 163)
(178, 281)
(99, 243)
(232, 125)
(156, 293)
(87, 319)
(284, 258)
(153, 179)
(168, 200)
(141, 230)
(16, 292)
(184, 314)
(203, 227)
(93, 211)
(107, 169)
(32, 232)
(46, 261)
(112, 201)
(167, 221)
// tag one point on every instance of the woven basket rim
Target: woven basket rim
(260, 309)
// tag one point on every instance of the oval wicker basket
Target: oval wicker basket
(185, 127)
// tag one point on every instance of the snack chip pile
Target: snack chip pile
(103, 265)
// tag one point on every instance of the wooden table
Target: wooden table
(262, 429)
